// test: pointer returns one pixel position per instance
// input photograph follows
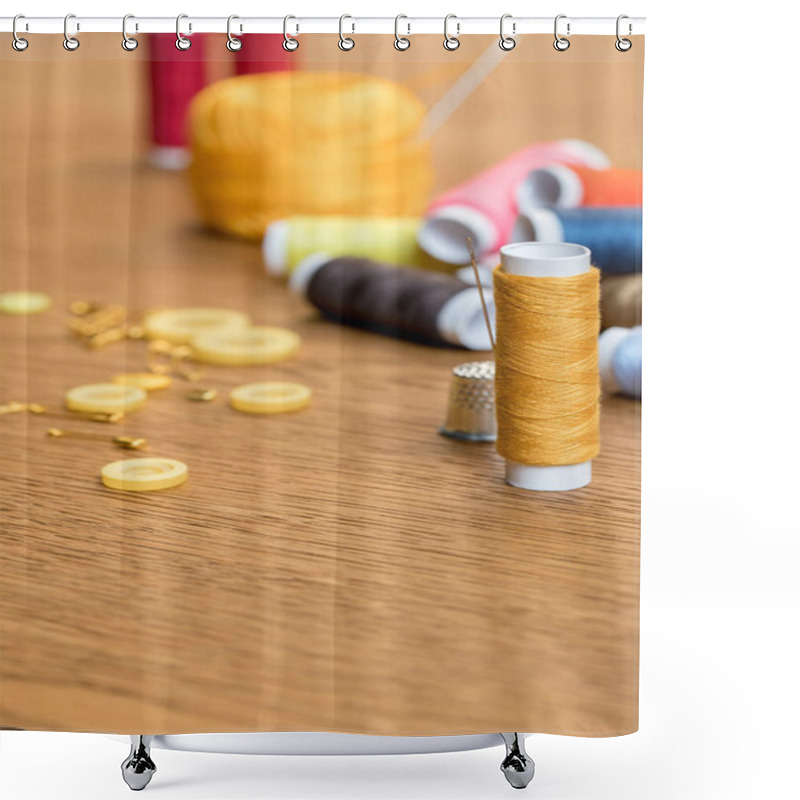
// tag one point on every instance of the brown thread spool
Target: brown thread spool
(547, 381)
(621, 301)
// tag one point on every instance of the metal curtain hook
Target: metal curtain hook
(71, 43)
(18, 43)
(623, 45)
(561, 44)
(400, 42)
(345, 42)
(182, 42)
(234, 44)
(507, 42)
(128, 42)
(451, 42)
(290, 44)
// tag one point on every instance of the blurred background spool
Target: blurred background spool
(269, 147)
(484, 207)
(423, 306)
(620, 361)
(621, 300)
(393, 240)
(570, 186)
(614, 235)
(547, 381)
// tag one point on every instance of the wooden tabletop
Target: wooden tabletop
(341, 568)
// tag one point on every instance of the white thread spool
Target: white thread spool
(547, 260)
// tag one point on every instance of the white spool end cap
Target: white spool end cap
(275, 247)
(556, 185)
(169, 158)
(460, 320)
(591, 155)
(610, 339)
(443, 234)
(537, 225)
(305, 270)
(547, 260)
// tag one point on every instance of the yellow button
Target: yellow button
(149, 381)
(270, 398)
(24, 302)
(258, 345)
(181, 325)
(144, 474)
(105, 398)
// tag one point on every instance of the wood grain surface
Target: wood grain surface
(342, 568)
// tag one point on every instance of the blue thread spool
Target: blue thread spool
(620, 360)
(614, 235)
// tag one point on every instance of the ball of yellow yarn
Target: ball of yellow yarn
(271, 146)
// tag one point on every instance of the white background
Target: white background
(720, 683)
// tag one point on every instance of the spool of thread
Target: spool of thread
(287, 242)
(547, 382)
(175, 78)
(570, 186)
(426, 307)
(621, 300)
(262, 52)
(484, 208)
(272, 146)
(614, 235)
(620, 359)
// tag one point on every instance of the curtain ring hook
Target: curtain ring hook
(18, 43)
(182, 42)
(623, 45)
(401, 42)
(290, 44)
(71, 43)
(507, 42)
(128, 42)
(451, 42)
(561, 43)
(345, 42)
(234, 43)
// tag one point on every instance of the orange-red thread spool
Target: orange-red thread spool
(570, 186)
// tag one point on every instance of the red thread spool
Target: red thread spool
(262, 52)
(570, 186)
(176, 76)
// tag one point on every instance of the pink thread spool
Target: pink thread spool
(176, 76)
(485, 207)
(262, 52)
(563, 186)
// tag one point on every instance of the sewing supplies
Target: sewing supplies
(547, 384)
(202, 395)
(614, 235)
(416, 304)
(125, 442)
(273, 146)
(246, 346)
(149, 381)
(271, 397)
(100, 416)
(288, 241)
(14, 407)
(144, 474)
(175, 78)
(106, 398)
(470, 410)
(484, 208)
(98, 325)
(181, 325)
(24, 303)
(563, 186)
(620, 359)
(164, 358)
(621, 300)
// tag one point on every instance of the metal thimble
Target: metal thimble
(470, 414)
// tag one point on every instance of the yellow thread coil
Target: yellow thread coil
(271, 146)
(547, 385)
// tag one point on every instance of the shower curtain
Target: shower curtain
(231, 269)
